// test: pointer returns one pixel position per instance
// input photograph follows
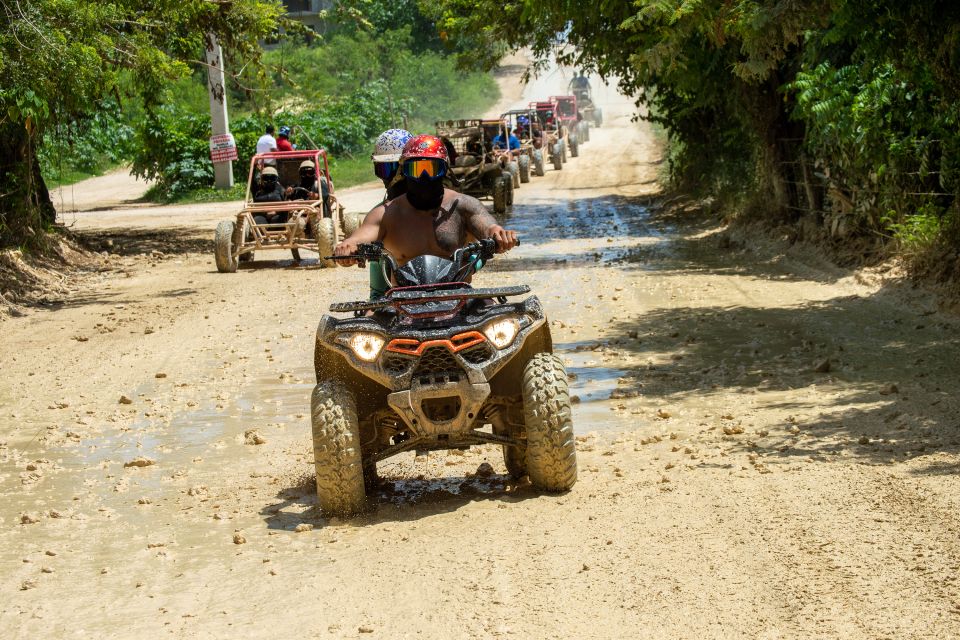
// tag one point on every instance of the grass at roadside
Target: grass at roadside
(56, 178)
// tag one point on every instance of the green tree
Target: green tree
(61, 62)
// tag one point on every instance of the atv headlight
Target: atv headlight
(502, 332)
(366, 346)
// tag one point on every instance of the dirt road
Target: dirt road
(768, 446)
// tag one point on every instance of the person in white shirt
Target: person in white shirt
(267, 143)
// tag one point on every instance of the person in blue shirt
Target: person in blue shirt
(512, 142)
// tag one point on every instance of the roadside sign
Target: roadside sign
(223, 148)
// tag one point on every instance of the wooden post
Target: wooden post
(222, 169)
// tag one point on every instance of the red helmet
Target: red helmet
(424, 146)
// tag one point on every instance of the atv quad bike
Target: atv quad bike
(550, 138)
(312, 224)
(474, 165)
(590, 111)
(569, 121)
(529, 158)
(438, 365)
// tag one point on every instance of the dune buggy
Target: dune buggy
(570, 121)
(473, 162)
(529, 158)
(437, 364)
(505, 157)
(548, 135)
(303, 220)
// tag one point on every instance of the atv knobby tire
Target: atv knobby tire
(551, 448)
(326, 236)
(514, 170)
(563, 151)
(523, 162)
(500, 187)
(509, 178)
(597, 117)
(538, 164)
(574, 147)
(223, 247)
(336, 449)
(556, 157)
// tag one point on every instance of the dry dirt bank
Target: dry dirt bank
(727, 487)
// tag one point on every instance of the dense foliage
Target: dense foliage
(840, 112)
(368, 72)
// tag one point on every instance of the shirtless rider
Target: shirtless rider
(429, 219)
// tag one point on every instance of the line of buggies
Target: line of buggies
(489, 159)
(492, 158)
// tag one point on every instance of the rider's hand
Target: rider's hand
(346, 248)
(288, 191)
(506, 240)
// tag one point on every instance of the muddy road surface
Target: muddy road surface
(768, 446)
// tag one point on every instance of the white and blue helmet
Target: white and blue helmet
(389, 145)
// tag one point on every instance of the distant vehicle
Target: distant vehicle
(551, 140)
(529, 158)
(311, 223)
(473, 163)
(570, 121)
(590, 111)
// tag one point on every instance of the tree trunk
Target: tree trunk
(26, 210)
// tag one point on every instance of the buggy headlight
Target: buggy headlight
(502, 332)
(366, 346)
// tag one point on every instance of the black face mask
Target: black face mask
(425, 195)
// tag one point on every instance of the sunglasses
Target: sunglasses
(385, 170)
(424, 169)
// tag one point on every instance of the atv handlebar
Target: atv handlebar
(484, 249)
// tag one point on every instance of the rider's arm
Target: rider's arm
(481, 224)
(366, 233)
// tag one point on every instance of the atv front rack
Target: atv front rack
(399, 298)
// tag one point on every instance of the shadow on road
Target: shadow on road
(396, 499)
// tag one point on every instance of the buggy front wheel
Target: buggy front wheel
(325, 234)
(223, 247)
(523, 162)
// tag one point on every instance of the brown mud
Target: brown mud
(769, 446)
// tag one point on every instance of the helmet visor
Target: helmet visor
(386, 170)
(424, 169)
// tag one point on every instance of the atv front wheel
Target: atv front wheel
(551, 448)
(597, 117)
(500, 186)
(563, 151)
(524, 163)
(556, 157)
(223, 247)
(326, 236)
(574, 147)
(538, 164)
(336, 450)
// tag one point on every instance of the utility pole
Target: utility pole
(223, 148)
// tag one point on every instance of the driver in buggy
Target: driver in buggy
(309, 188)
(269, 189)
